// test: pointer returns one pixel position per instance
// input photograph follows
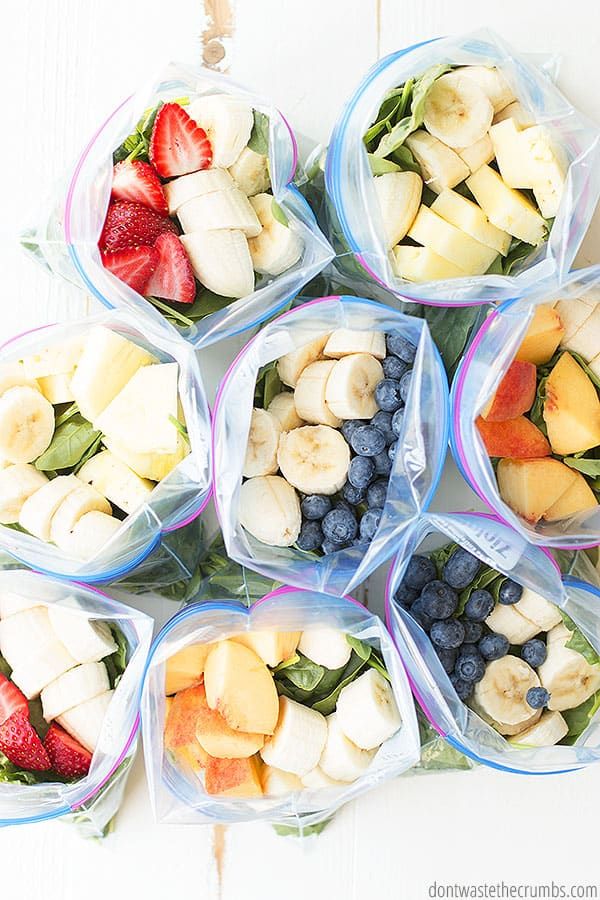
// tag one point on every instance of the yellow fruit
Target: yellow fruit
(272, 646)
(422, 264)
(531, 486)
(450, 242)
(575, 499)
(507, 208)
(185, 668)
(233, 777)
(239, 685)
(571, 408)
(542, 337)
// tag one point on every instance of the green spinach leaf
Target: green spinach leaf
(409, 123)
(70, 442)
(381, 166)
(116, 663)
(579, 718)
(326, 705)
(259, 136)
(279, 214)
(305, 674)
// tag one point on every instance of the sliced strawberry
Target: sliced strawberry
(21, 745)
(11, 700)
(139, 182)
(173, 278)
(134, 265)
(67, 756)
(178, 145)
(129, 224)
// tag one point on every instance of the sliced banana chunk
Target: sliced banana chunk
(251, 172)
(57, 388)
(550, 729)
(298, 740)
(457, 111)
(15, 375)
(399, 197)
(345, 341)
(86, 640)
(263, 441)
(316, 780)
(84, 722)
(566, 674)
(33, 651)
(218, 210)
(11, 604)
(325, 646)
(507, 620)
(277, 783)
(310, 394)
(277, 248)
(538, 610)
(221, 261)
(441, 167)
(90, 533)
(478, 154)
(515, 110)
(37, 511)
(17, 484)
(292, 364)
(26, 424)
(283, 407)
(341, 759)
(270, 510)
(367, 710)
(492, 82)
(227, 121)
(314, 459)
(501, 693)
(76, 504)
(74, 687)
(350, 389)
(116, 481)
(55, 359)
(196, 184)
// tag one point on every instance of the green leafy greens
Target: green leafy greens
(137, 144)
(259, 136)
(71, 443)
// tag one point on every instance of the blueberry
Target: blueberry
(460, 569)
(537, 697)
(376, 493)
(311, 535)
(447, 634)
(463, 689)
(393, 367)
(352, 494)
(479, 605)
(405, 385)
(420, 616)
(470, 666)
(315, 506)
(510, 592)
(330, 547)
(439, 600)
(343, 504)
(405, 595)
(349, 426)
(340, 526)
(370, 523)
(400, 347)
(361, 471)
(419, 571)
(397, 422)
(447, 659)
(493, 646)
(383, 463)
(534, 652)
(473, 630)
(387, 395)
(383, 421)
(367, 440)
(392, 450)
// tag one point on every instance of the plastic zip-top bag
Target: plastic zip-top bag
(534, 461)
(292, 249)
(84, 708)
(132, 453)
(393, 484)
(547, 641)
(179, 790)
(408, 138)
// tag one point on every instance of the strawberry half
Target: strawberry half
(139, 182)
(173, 278)
(67, 756)
(178, 145)
(21, 745)
(129, 224)
(134, 265)
(11, 700)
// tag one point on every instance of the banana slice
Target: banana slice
(90, 534)
(15, 375)
(37, 511)
(345, 341)
(549, 730)
(367, 710)
(11, 604)
(196, 184)
(57, 388)
(277, 783)
(116, 481)
(221, 261)
(309, 396)
(31, 648)
(251, 172)
(422, 264)
(567, 675)
(298, 740)
(399, 197)
(284, 409)
(17, 484)
(325, 646)
(72, 688)
(457, 111)
(26, 424)
(263, 441)
(270, 510)
(228, 123)
(450, 242)
(87, 641)
(506, 208)
(341, 759)
(558, 633)
(516, 111)
(350, 390)
(316, 780)
(57, 359)
(471, 219)
(277, 248)
(478, 154)
(501, 692)
(492, 82)
(507, 620)
(291, 366)
(538, 610)
(314, 459)
(219, 210)
(77, 503)
(440, 166)
(84, 722)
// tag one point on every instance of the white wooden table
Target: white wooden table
(65, 64)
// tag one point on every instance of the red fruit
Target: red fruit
(139, 182)
(134, 266)
(515, 394)
(11, 700)
(129, 224)
(67, 756)
(20, 743)
(178, 145)
(518, 438)
(173, 279)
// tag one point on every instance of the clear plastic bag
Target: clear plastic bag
(417, 465)
(174, 502)
(66, 235)
(91, 801)
(356, 226)
(178, 797)
(500, 547)
(480, 372)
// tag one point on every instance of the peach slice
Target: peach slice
(185, 708)
(219, 740)
(518, 438)
(571, 408)
(515, 393)
(185, 668)
(233, 777)
(542, 337)
(531, 486)
(239, 686)
(272, 646)
(576, 498)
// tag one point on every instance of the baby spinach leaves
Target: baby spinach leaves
(185, 315)
(268, 385)
(137, 144)
(579, 642)
(279, 214)
(579, 718)
(259, 136)
(71, 442)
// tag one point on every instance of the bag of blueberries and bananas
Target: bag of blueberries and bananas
(502, 652)
(329, 434)
(71, 664)
(183, 208)
(457, 173)
(282, 712)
